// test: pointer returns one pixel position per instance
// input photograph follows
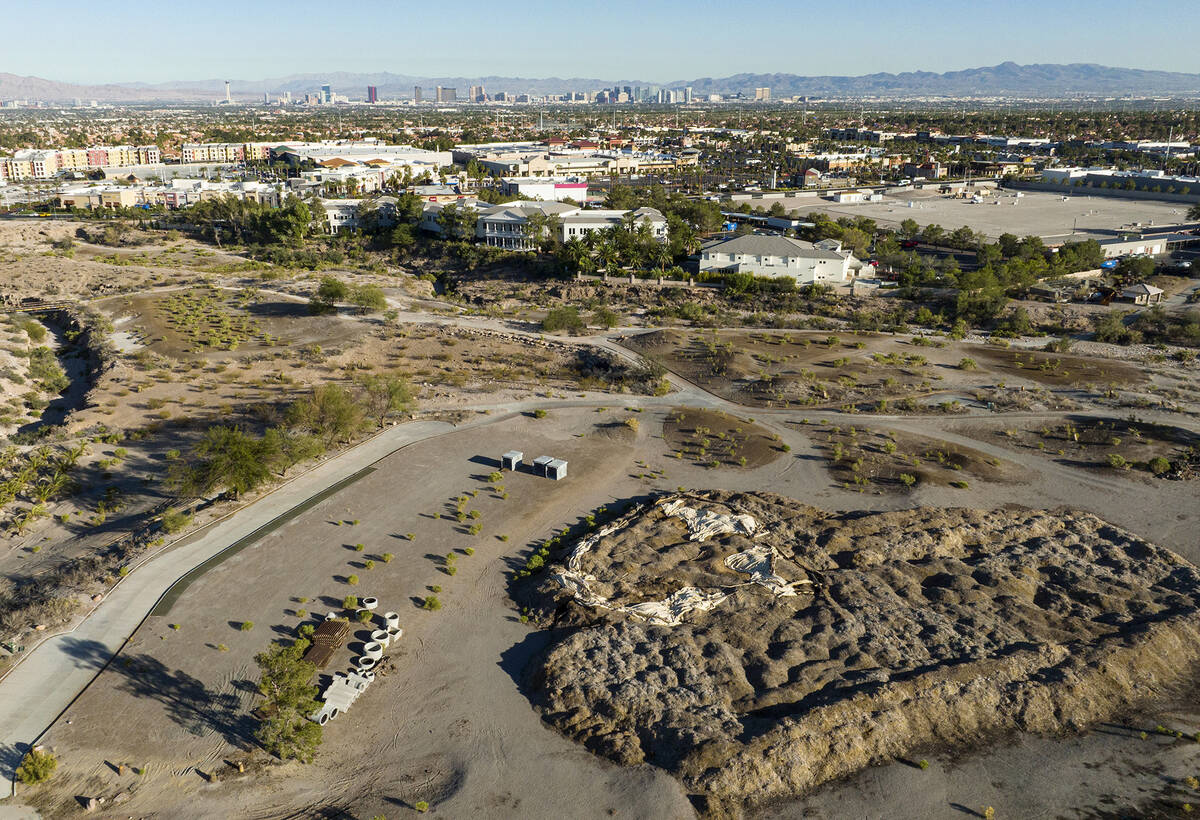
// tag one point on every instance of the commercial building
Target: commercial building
(779, 256)
(550, 189)
(372, 94)
(447, 95)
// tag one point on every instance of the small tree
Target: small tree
(36, 767)
(289, 699)
(386, 394)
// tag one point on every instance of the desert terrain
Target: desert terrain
(963, 510)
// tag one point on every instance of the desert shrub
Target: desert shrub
(1159, 465)
(175, 520)
(967, 363)
(350, 602)
(431, 603)
(352, 580)
(908, 479)
(36, 767)
(387, 557)
(247, 626)
(1116, 461)
(563, 318)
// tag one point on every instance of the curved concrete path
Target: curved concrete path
(55, 672)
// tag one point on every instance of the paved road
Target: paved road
(45, 683)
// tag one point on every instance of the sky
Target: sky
(652, 40)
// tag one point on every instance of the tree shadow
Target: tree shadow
(188, 702)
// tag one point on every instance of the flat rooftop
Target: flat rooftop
(1035, 213)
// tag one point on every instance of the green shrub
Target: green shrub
(352, 580)
(247, 626)
(36, 767)
(364, 616)
(1117, 461)
(368, 564)
(908, 479)
(1159, 465)
(967, 364)
(359, 547)
(421, 806)
(539, 413)
(431, 603)
(350, 602)
(387, 557)
(175, 520)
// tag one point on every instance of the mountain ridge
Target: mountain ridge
(1004, 79)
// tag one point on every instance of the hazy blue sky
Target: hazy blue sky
(654, 40)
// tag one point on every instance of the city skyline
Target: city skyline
(669, 42)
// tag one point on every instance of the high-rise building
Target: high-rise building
(445, 95)
(416, 93)
(326, 94)
(687, 95)
(476, 94)
(372, 94)
(762, 95)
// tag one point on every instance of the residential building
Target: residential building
(779, 256)
(1142, 294)
(508, 225)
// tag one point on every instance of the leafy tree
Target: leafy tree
(288, 700)
(330, 291)
(386, 394)
(329, 412)
(227, 457)
(367, 298)
(909, 228)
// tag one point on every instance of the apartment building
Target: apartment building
(780, 256)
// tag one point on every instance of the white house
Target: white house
(778, 256)
(507, 225)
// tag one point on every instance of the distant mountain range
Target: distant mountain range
(1004, 80)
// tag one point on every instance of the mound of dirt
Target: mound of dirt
(756, 647)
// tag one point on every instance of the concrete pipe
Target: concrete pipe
(392, 620)
(370, 603)
(323, 718)
(382, 637)
(333, 713)
(396, 633)
(366, 663)
(332, 616)
(373, 650)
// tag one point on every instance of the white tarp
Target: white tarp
(759, 563)
(704, 524)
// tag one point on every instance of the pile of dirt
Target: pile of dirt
(876, 634)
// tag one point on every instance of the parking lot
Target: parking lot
(1033, 213)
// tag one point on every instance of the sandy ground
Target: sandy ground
(450, 724)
